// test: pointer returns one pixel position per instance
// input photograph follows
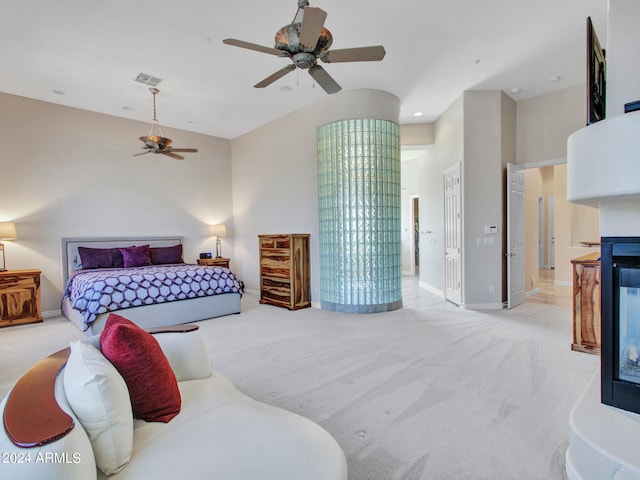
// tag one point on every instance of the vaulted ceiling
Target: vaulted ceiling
(88, 53)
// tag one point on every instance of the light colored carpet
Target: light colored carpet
(430, 391)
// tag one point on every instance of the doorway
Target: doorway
(414, 249)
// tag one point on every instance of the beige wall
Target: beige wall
(417, 134)
(532, 191)
(483, 199)
(67, 172)
(275, 185)
(568, 232)
(543, 125)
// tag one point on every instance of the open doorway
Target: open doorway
(415, 237)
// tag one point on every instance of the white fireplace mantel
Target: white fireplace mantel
(603, 161)
(603, 440)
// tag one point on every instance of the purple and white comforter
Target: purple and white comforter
(93, 292)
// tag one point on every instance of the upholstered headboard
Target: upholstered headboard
(71, 257)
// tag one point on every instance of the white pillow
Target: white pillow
(99, 397)
(187, 354)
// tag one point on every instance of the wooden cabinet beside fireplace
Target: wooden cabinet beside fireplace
(586, 303)
(284, 270)
(19, 297)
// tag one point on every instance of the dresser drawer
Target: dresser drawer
(275, 241)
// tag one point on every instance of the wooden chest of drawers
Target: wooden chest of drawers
(284, 270)
(19, 297)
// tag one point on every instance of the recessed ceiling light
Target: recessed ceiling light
(57, 91)
(515, 90)
(126, 107)
(476, 61)
(285, 88)
(418, 114)
(554, 79)
(191, 122)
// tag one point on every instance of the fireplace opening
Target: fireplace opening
(620, 350)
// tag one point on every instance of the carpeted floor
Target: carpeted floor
(430, 391)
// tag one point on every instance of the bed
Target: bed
(144, 280)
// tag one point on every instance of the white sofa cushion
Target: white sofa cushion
(195, 365)
(223, 434)
(99, 397)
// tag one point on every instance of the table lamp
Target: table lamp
(219, 230)
(7, 232)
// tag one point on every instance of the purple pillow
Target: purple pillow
(116, 258)
(136, 256)
(165, 255)
(95, 257)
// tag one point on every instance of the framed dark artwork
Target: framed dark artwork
(596, 76)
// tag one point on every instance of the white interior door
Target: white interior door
(515, 235)
(453, 234)
(550, 229)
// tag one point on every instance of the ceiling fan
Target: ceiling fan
(156, 142)
(304, 41)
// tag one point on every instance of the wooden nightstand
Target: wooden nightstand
(19, 297)
(214, 262)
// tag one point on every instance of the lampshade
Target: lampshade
(8, 231)
(219, 230)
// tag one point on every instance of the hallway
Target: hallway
(550, 293)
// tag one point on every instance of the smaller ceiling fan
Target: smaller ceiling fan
(304, 41)
(156, 142)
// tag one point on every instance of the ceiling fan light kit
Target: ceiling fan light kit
(305, 41)
(156, 142)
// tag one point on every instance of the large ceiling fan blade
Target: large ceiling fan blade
(312, 23)
(185, 150)
(173, 155)
(254, 46)
(141, 153)
(275, 76)
(325, 80)
(359, 54)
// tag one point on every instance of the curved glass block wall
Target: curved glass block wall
(359, 214)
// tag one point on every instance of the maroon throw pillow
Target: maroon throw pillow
(136, 256)
(166, 255)
(138, 357)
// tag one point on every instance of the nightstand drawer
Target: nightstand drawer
(214, 262)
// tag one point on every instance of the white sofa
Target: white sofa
(219, 433)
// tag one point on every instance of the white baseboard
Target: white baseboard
(530, 293)
(52, 313)
(431, 289)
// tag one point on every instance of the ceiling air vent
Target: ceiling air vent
(148, 79)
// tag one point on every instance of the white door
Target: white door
(515, 235)
(550, 229)
(452, 235)
(541, 237)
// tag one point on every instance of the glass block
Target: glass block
(359, 215)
